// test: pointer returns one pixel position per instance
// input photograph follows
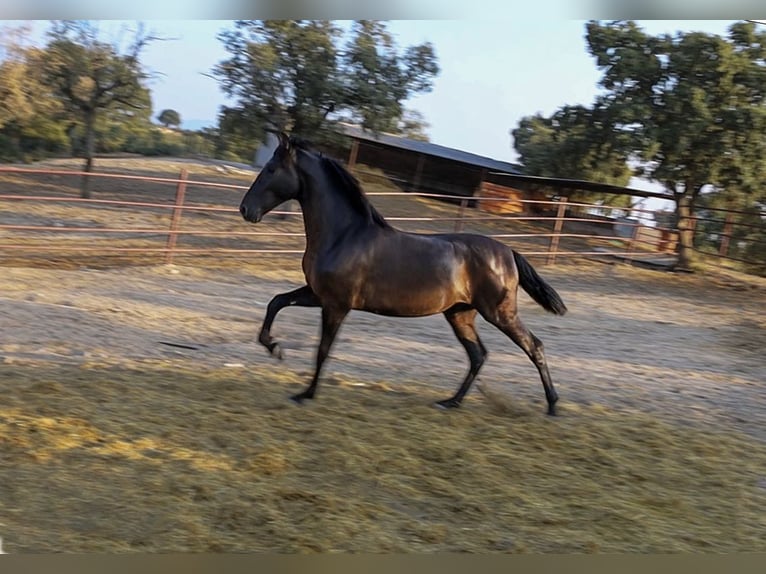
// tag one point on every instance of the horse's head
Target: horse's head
(278, 182)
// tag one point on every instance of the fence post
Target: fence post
(726, 236)
(353, 154)
(175, 219)
(630, 248)
(461, 215)
(418, 172)
(557, 227)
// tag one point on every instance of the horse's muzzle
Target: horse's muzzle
(251, 215)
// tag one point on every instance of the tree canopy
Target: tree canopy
(695, 104)
(575, 142)
(169, 118)
(377, 79)
(89, 76)
(299, 75)
(29, 112)
(688, 109)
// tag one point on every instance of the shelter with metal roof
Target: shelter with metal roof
(431, 149)
(426, 167)
(422, 166)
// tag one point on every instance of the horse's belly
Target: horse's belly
(397, 279)
(409, 299)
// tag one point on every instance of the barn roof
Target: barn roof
(581, 184)
(513, 172)
(431, 149)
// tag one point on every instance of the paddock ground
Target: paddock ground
(138, 414)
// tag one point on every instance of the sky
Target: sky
(493, 72)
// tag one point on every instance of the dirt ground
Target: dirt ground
(655, 373)
(140, 414)
(675, 346)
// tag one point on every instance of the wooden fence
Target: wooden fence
(554, 229)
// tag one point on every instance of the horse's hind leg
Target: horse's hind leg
(510, 324)
(301, 297)
(462, 323)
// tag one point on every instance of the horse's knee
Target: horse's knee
(534, 347)
(275, 305)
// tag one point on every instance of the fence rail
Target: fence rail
(636, 238)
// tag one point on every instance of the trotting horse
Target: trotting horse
(355, 260)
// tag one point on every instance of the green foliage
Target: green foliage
(29, 114)
(82, 95)
(694, 101)
(688, 108)
(412, 125)
(281, 73)
(169, 118)
(575, 142)
(296, 75)
(90, 77)
(38, 120)
(35, 140)
(377, 79)
(195, 144)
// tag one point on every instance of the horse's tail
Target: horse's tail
(537, 288)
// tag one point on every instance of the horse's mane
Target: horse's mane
(346, 182)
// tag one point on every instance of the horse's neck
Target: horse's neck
(327, 213)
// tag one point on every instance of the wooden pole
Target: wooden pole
(353, 154)
(632, 244)
(557, 227)
(464, 202)
(418, 172)
(726, 235)
(175, 218)
(461, 215)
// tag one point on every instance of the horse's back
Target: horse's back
(482, 253)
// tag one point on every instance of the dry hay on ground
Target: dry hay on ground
(108, 443)
(165, 458)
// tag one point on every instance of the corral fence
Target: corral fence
(183, 218)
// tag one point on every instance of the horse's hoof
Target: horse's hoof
(276, 351)
(447, 404)
(551, 411)
(299, 398)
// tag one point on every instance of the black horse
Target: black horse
(355, 260)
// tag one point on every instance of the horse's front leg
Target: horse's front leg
(302, 297)
(331, 322)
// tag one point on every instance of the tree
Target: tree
(27, 109)
(90, 76)
(296, 75)
(169, 118)
(412, 125)
(16, 97)
(377, 79)
(576, 142)
(281, 73)
(693, 105)
(117, 127)
(235, 136)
